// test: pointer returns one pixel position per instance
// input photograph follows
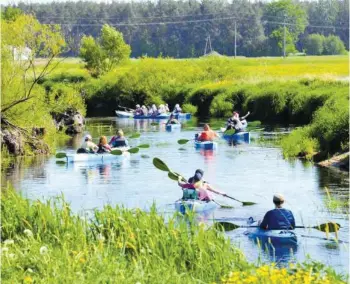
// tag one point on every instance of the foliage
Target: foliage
(333, 45)
(10, 14)
(45, 242)
(314, 44)
(188, 108)
(106, 52)
(255, 21)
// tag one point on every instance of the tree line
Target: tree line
(179, 28)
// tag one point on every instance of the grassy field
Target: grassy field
(46, 243)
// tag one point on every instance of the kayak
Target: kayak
(172, 127)
(277, 237)
(124, 114)
(160, 116)
(194, 205)
(73, 158)
(240, 137)
(183, 115)
(206, 145)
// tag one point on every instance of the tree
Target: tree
(11, 14)
(285, 11)
(106, 52)
(276, 40)
(333, 45)
(314, 44)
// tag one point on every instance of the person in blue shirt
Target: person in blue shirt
(278, 218)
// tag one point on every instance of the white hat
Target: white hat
(88, 137)
(279, 198)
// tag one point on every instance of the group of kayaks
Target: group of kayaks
(125, 114)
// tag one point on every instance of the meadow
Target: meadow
(306, 90)
(43, 242)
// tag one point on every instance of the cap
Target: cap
(88, 137)
(278, 198)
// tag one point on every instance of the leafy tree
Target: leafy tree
(276, 38)
(11, 13)
(105, 53)
(314, 44)
(333, 45)
(293, 15)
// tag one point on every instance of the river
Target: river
(251, 172)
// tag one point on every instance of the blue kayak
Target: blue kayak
(172, 127)
(182, 115)
(160, 116)
(240, 137)
(205, 145)
(276, 237)
(193, 205)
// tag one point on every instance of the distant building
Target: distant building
(21, 53)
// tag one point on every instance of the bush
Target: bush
(189, 108)
(333, 45)
(314, 44)
(221, 106)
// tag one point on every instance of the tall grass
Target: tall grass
(43, 242)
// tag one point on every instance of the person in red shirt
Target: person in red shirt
(207, 134)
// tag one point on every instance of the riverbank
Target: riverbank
(45, 242)
(304, 91)
(340, 162)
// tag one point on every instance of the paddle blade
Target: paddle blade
(229, 132)
(182, 141)
(144, 146)
(135, 135)
(60, 162)
(225, 226)
(328, 227)
(247, 203)
(154, 123)
(116, 152)
(134, 150)
(175, 176)
(61, 155)
(160, 165)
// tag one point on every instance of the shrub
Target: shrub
(189, 108)
(314, 44)
(333, 45)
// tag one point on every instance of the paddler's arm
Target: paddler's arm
(244, 117)
(209, 187)
(184, 184)
(263, 224)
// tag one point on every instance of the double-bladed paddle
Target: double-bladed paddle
(159, 164)
(184, 141)
(329, 227)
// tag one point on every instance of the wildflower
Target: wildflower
(30, 270)
(82, 260)
(100, 237)
(28, 232)
(44, 250)
(9, 242)
(28, 279)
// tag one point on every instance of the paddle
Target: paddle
(125, 107)
(61, 155)
(159, 164)
(329, 227)
(223, 205)
(135, 135)
(184, 141)
(131, 151)
(244, 203)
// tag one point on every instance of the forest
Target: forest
(180, 29)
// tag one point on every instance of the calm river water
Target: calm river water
(248, 172)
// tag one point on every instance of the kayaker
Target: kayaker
(154, 110)
(138, 110)
(201, 187)
(103, 146)
(161, 109)
(207, 134)
(177, 109)
(88, 146)
(278, 218)
(118, 140)
(172, 120)
(237, 123)
(167, 108)
(144, 110)
(150, 111)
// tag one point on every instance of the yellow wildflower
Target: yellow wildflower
(28, 279)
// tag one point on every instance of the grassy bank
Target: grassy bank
(305, 91)
(46, 243)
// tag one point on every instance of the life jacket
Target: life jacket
(119, 143)
(190, 194)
